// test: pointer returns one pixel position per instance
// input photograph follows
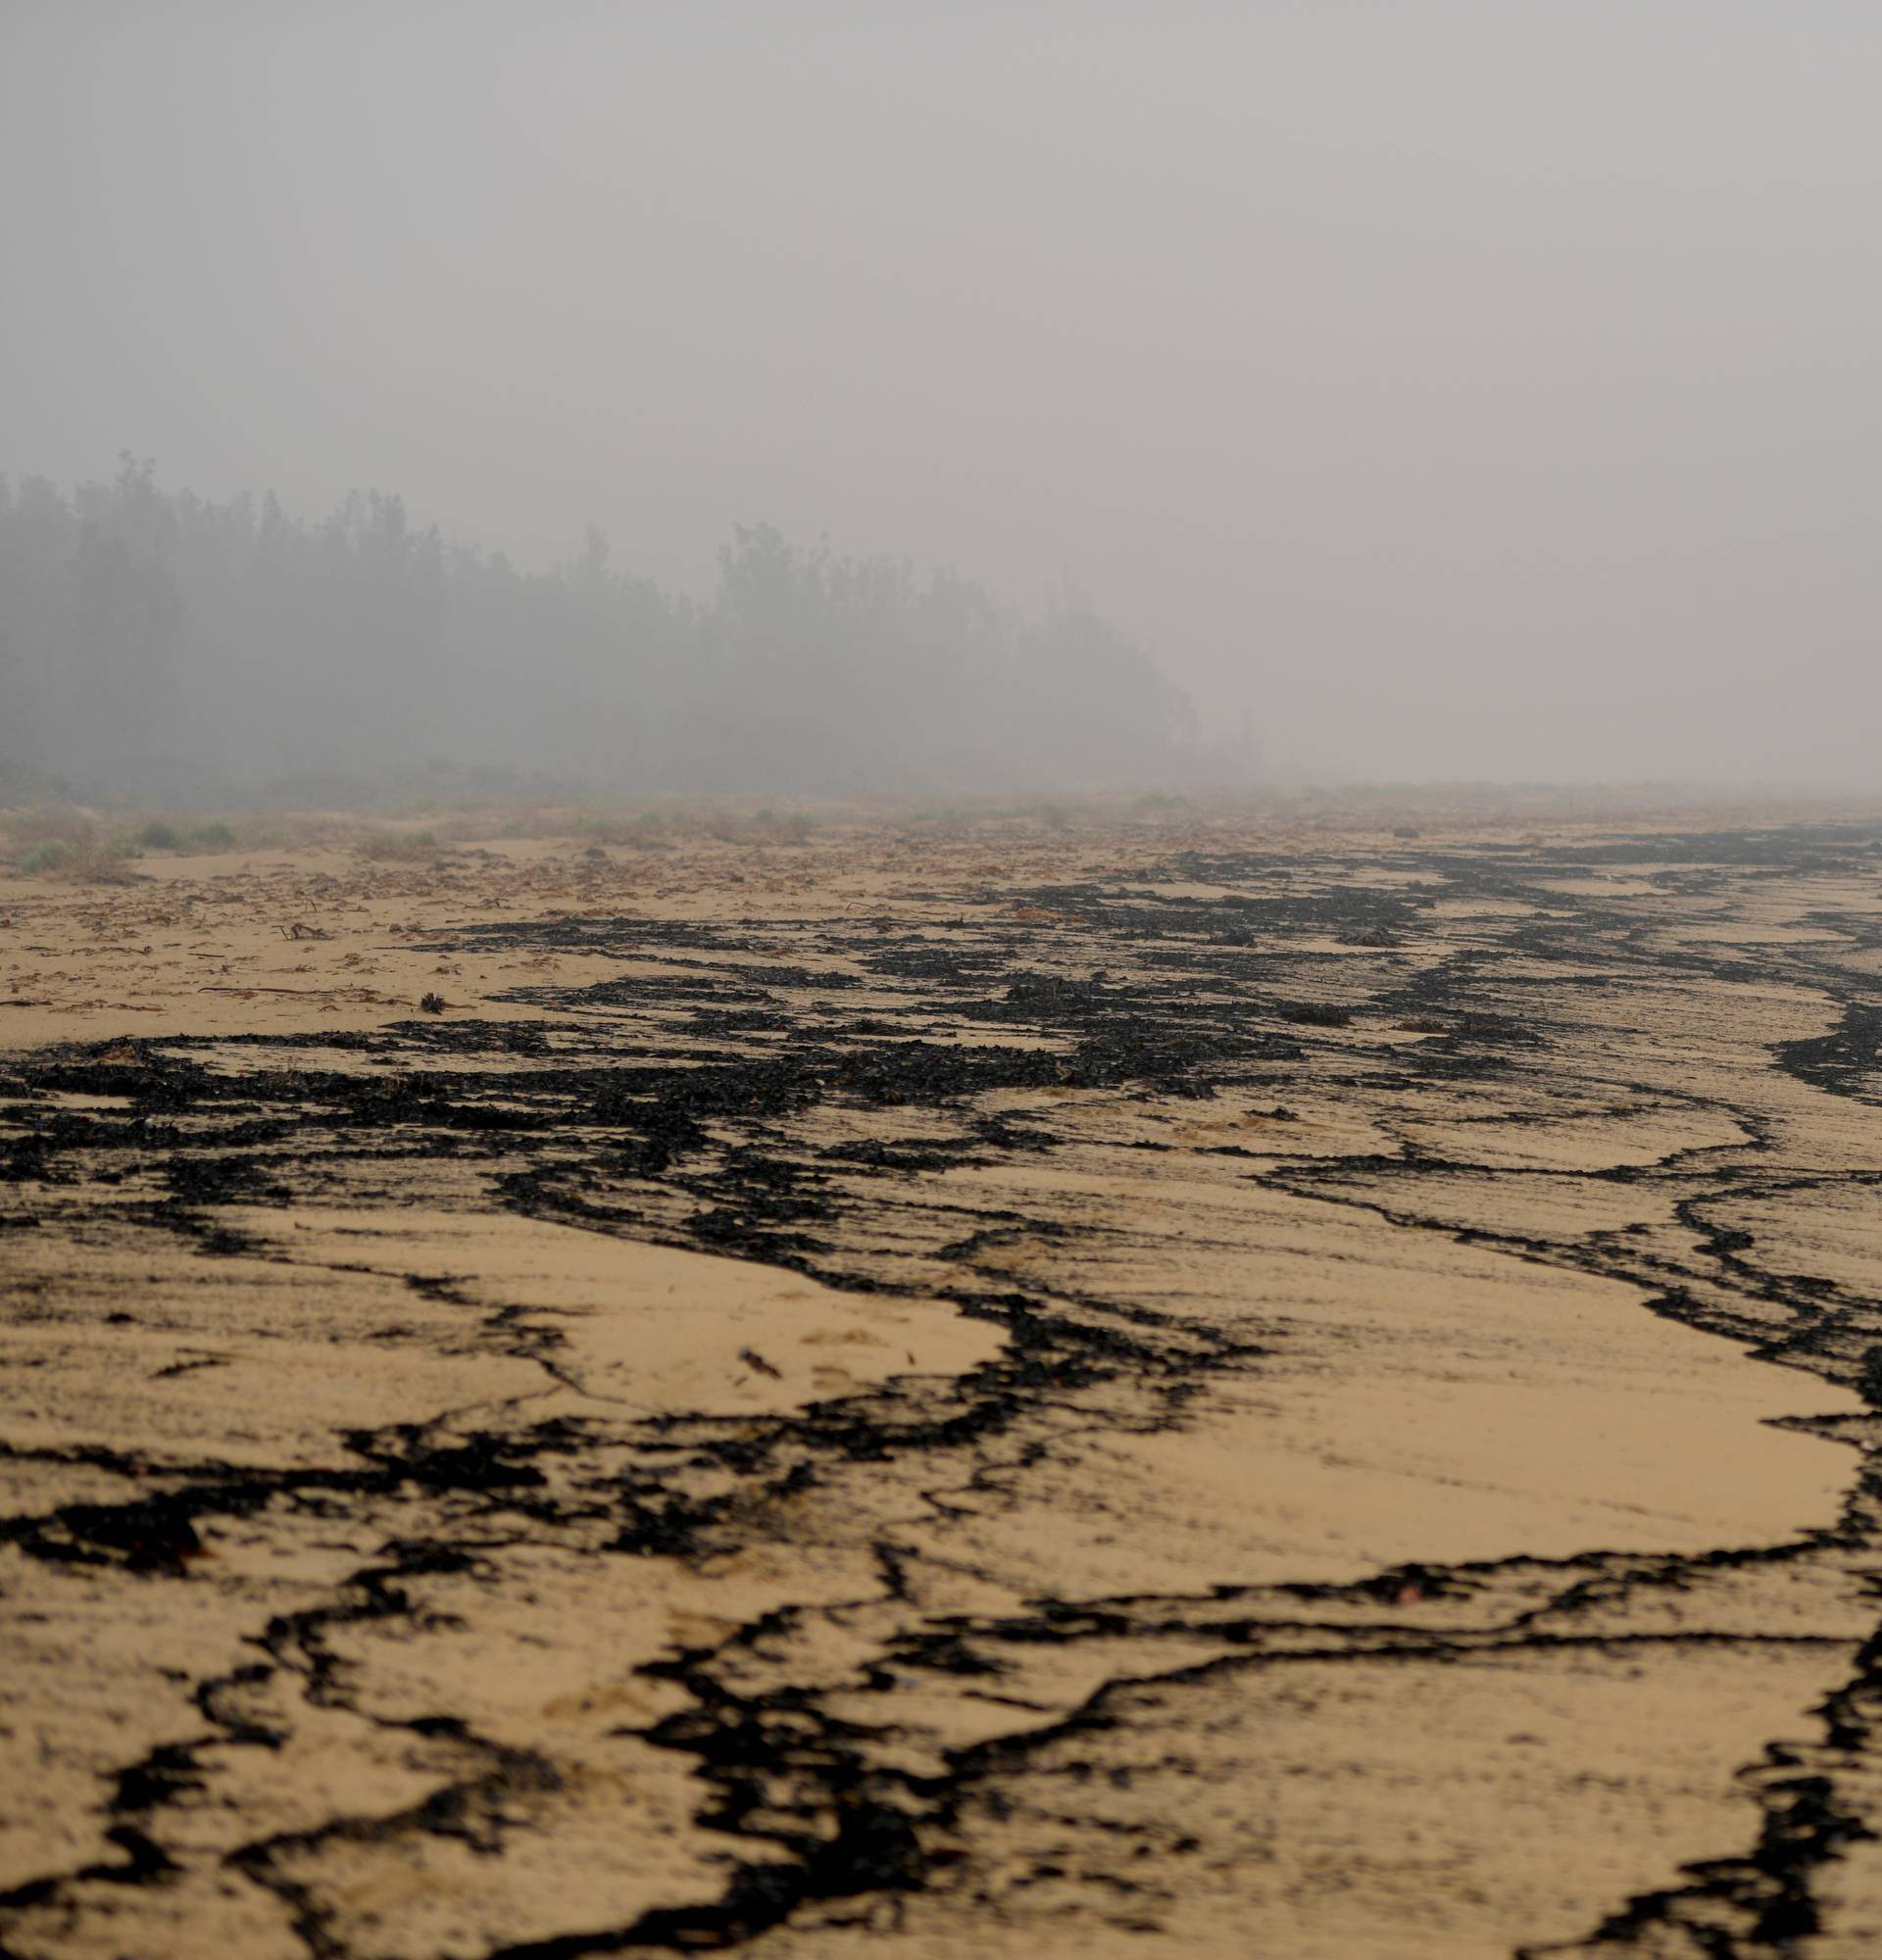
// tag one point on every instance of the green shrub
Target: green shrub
(49, 823)
(794, 827)
(159, 836)
(597, 827)
(398, 847)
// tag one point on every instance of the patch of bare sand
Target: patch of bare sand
(1340, 1809)
(1446, 1617)
(651, 1329)
(1415, 1400)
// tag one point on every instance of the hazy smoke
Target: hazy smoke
(1453, 389)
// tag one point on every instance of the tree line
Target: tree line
(157, 643)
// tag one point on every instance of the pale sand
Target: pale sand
(1372, 1537)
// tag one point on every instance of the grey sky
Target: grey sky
(1489, 391)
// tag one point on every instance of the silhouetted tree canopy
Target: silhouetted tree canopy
(155, 643)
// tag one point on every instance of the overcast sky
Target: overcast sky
(1488, 391)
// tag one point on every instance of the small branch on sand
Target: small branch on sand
(362, 997)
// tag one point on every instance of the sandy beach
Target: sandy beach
(1093, 1382)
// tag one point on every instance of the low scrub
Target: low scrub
(181, 834)
(88, 859)
(645, 831)
(49, 823)
(400, 846)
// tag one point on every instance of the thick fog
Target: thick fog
(1433, 391)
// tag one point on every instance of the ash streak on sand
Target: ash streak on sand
(1173, 1392)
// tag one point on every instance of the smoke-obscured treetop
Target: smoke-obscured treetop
(156, 643)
